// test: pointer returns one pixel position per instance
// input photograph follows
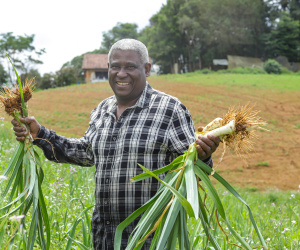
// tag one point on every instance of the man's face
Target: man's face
(127, 75)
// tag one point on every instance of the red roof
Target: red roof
(95, 61)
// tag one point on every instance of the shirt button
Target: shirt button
(107, 222)
(105, 202)
(106, 180)
(109, 159)
(114, 138)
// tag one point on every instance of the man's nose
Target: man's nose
(122, 72)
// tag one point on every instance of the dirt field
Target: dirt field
(275, 164)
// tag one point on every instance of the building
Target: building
(95, 67)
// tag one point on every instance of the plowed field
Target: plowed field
(275, 163)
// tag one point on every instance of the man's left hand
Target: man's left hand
(206, 145)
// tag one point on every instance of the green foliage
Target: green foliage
(120, 31)
(284, 39)
(66, 76)
(18, 47)
(243, 70)
(48, 80)
(3, 75)
(33, 73)
(164, 40)
(272, 67)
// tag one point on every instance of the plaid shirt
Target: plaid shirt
(153, 133)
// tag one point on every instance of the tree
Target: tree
(48, 80)
(31, 74)
(3, 75)
(284, 39)
(66, 76)
(120, 31)
(20, 50)
(163, 38)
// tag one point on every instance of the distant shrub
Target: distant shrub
(286, 71)
(204, 71)
(243, 70)
(272, 66)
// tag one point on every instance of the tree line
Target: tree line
(192, 33)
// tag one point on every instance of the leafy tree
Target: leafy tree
(3, 75)
(66, 76)
(32, 73)
(20, 50)
(120, 31)
(284, 39)
(163, 38)
(48, 80)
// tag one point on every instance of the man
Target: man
(136, 125)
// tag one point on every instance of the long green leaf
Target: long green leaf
(187, 206)
(18, 153)
(44, 212)
(172, 165)
(191, 183)
(172, 215)
(171, 244)
(161, 193)
(211, 190)
(206, 168)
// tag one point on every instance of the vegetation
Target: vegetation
(21, 51)
(69, 189)
(271, 66)
(193, 33)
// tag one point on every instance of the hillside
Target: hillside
(276, 160)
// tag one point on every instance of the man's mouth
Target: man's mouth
(123, 83)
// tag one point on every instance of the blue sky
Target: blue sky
(70, 28)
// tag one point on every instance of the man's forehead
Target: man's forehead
(126, 55)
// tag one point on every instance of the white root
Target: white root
(227, 129)
(216, 123)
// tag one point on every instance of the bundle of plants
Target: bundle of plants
(24, 176)
(184, 191)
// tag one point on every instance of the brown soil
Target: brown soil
(275, 164)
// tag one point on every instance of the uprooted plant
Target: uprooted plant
(181, 195)
(24, 174)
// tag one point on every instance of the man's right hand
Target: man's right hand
(21, 132)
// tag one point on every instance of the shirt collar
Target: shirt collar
(142, 102)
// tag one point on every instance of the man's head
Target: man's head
(131, 44)
(128, 67)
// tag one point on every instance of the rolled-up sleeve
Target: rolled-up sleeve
(65, 150)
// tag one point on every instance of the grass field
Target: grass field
(269, 180)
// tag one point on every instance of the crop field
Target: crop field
(268, 179)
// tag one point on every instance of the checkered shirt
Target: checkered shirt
(153, 132)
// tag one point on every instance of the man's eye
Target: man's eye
(115, 67)
(131, 67)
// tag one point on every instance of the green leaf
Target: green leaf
(191, 183)
(207, 169)
(173, 236)
(172, 215)
(172, 165)
(18, 154)
(187, 206)
(219, 206)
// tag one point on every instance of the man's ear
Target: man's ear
(147, 69)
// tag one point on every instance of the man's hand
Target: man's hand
(206, 146)
(21, 132)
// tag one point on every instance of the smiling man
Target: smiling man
(137, 125)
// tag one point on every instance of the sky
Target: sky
(70, 28)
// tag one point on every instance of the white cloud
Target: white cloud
(70, 28)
